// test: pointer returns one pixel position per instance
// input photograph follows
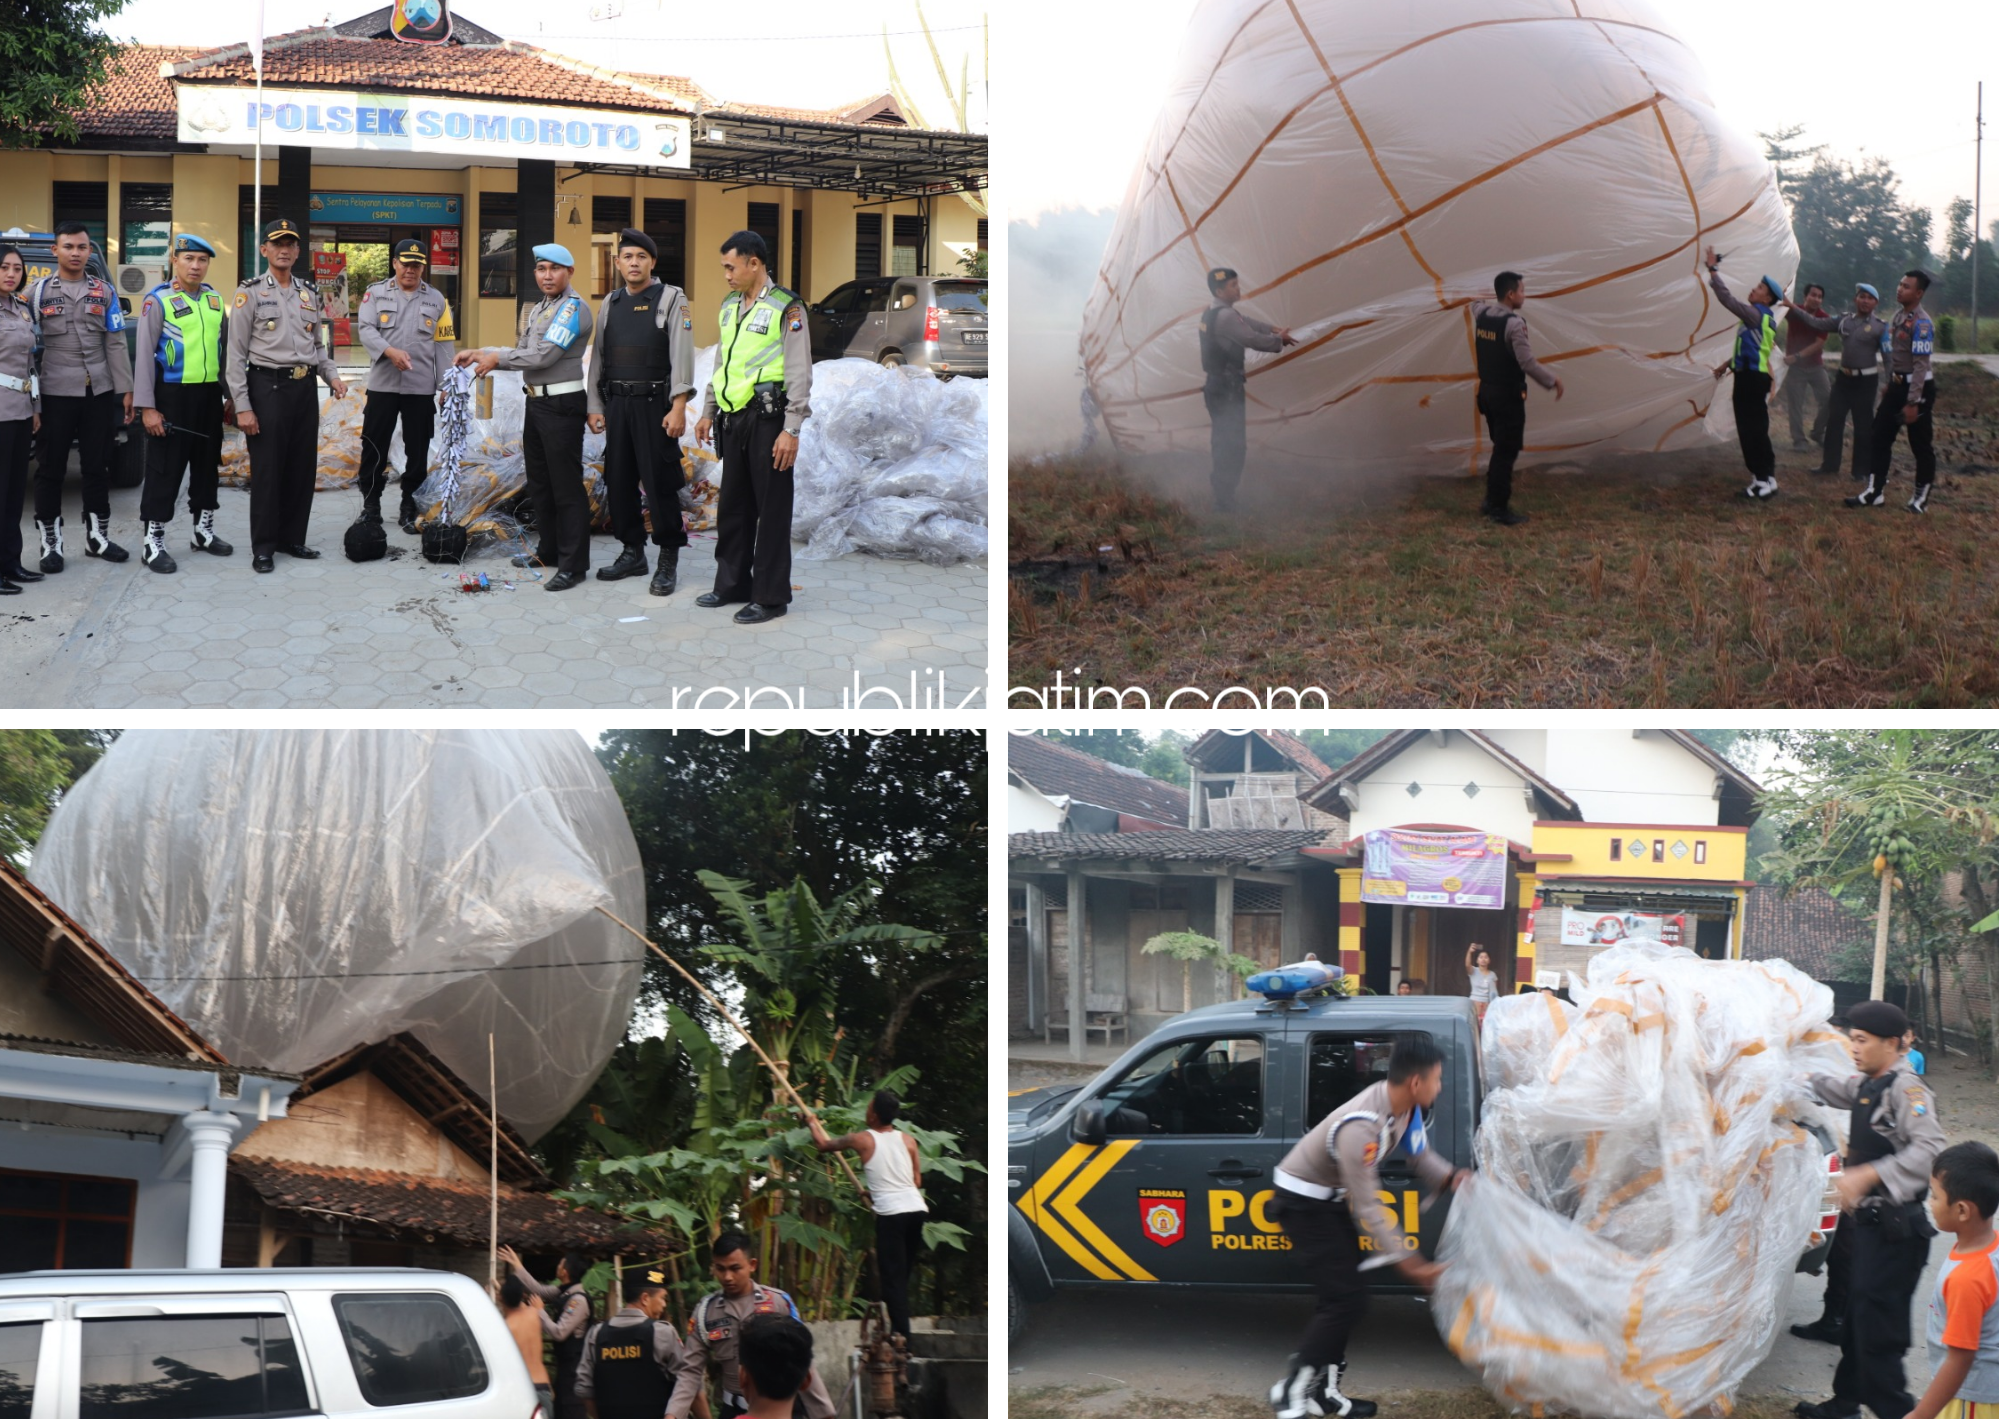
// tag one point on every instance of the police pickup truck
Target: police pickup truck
(1161, 1170)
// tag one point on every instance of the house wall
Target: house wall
(361, 1123)
(1589, 847)
(1617, 776)
(1443, 771)
(159, 1220)
(1030, 812)
(27, 1009)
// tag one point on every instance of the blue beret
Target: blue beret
(555, 252)
(187, 242)
(1776, 286)
(1863, 286)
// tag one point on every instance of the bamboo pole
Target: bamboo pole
(493, 1164)
(1879, 981)
(777, 1073)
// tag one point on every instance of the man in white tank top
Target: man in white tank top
(894, 1182)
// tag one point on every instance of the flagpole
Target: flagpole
(257, 178)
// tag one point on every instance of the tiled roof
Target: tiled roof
(1809, 929)
(434, 1207)
(1289, 745)
(134, 100)
(1059, 771)
(1239, 845)
(510, 71)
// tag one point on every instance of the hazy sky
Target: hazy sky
(1771, 63)
(799, 53)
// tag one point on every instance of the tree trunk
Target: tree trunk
(1186, 986)
(1881, 935)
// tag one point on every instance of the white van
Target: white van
(244, 1344)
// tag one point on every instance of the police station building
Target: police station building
(482, 148)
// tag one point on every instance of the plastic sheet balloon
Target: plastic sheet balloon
(1369, 169)
(1645, 1184)
(294, 894)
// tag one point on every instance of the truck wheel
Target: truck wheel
(892, 359)
(1016, 1313)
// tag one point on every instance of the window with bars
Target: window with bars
(982, 234)
(499, 229)
(763, 220)
(666, 224)
(1259, 897)
(85, 202)
(608, 217)
(908, 237)
(145, 221)
(798, 252)
(867, 245)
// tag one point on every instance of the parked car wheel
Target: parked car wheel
(893, 359)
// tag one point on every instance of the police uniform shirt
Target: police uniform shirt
(1516, 340)
(1343, 1153)
(17, 359)
(152, 321)
(797, 364)
(1859, 336)
(1904, 1114)
(416, 322)
(275, 326)
(1236, 332)
(83, 338)
(666, 1348)
(712, 1335)
(678, 329)
(554, 333)
(1911, 341)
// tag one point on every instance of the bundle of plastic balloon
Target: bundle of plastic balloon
(1646, 1184)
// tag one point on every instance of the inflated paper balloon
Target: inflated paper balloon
(1369, 168)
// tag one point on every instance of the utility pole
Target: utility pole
(1977, 210)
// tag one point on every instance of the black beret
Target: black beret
(631, 237)
(1220, 276)
(1878, 1017)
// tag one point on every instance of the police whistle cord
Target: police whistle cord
(769, 1063)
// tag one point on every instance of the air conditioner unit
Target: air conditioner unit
(136, 278)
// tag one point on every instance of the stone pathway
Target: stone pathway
(400, 634)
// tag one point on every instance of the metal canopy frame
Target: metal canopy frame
(887, 164)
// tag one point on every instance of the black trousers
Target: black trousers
(897, 1237)
(1851, 402)
(1505, 413)
(418, 413)
(1752, 422)
(552, 449)
(1882, 1285)
(192, 445)
(753, 515)
(1228, 439)
(1887, 424)
(1328, 1246)
(16, 443)
(639, 455)
(1838, 1273)
(284, 458)
(89, 421)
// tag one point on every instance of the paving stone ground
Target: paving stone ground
(399, 634)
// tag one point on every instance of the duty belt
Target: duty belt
(1301, 1187)
(568, 386)
(635, 388)
(26, 386)
(283, 371)
(1854, 374)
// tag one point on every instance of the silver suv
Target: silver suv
(938, 323)
(248, 1344)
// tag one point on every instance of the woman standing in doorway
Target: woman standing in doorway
(1484, 983)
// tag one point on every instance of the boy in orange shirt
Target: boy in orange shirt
(1964, 1312)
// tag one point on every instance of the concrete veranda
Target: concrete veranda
(400, 634)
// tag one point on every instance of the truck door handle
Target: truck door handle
(1232, 1171)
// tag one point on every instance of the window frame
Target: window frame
(1206, 1041)
(62, 1215)
(261, 1309)
(339, 1300)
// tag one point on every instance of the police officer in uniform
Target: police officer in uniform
(1853, 387)
(1225, 334)
(1751, 357)
(406, 328)
(274, 356)
(758, 399)
(715, 1329)
(641, 375)
(86, 375)
(1908, 401)
(1327, 1199)
(567, 1327)
(630, 1361)
(1505, 363)
(1893, 1139)
(183, 343)
(553, 334)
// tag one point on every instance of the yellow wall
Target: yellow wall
(1588, 845)
(204, 185)
(26, 180)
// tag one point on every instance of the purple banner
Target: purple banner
(1402, 867)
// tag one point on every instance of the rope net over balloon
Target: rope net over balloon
(1369, 169)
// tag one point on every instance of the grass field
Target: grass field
(1642, 580)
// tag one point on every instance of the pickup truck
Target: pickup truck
(1160, 1171)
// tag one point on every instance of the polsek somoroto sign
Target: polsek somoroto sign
(405, 123)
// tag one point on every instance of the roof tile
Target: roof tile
(1241, 845)
(1057, 770)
